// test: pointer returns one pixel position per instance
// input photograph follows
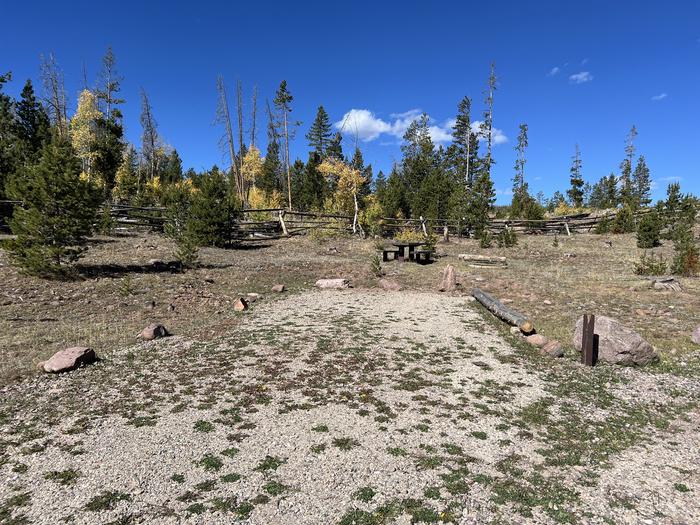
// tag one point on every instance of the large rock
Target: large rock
(537, 340)
(332, 284)
(617, 343)
(552, 349)
(69, 359)
(449, 279)
(696, 336)
(154, 331)
(389, 285)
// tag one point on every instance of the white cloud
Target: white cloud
(580, 78)
(555, 70)
(658, 97)
(368, 127)
(584, 61)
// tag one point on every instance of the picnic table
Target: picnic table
(409, 247)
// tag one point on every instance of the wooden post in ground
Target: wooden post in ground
(589, 348)
(282, 224)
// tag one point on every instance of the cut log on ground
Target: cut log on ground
(483, 261)
(504, 313)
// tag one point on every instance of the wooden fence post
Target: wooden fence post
(589, 342)
(284, 226)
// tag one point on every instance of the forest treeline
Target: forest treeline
(61, 168)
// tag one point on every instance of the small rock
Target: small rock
(449, 279)
(515, 330)
(150, 305)
(278, 288)
(552, 349)
(171, 307)
(209, 280)
(696, 336)
(69, 359)
(547, 302)
(331, 284)
(252, 297)
(240, 305)
(153, 331)
(537, 340)
(389, 285)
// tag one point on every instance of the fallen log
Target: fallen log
(480, 261)
(503, 312)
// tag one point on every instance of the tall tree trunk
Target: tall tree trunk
(286, 156)
(253, 116)
(226, 118)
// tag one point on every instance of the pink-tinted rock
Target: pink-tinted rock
(389, 285)
(552, 349)
(278, 288)
(696, 336)
(332, 284)
(449, 279)
(69, 359)
(154, 331)
(537, 340)
(240, 305)
(617, 343)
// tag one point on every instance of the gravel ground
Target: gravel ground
(354, 406)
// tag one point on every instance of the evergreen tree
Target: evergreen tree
(358, 163)
(641, 180)
(282, 101)
(419, 161)
(394, 200)
(108, 151)
(626, 183)
(479, 204)
(575, 193)
(604, 194)
(126, 177)
(319, 135)
(7, 135)
(32, 127)
(108, 88)
(269, 180)
(521, 196)
(463, 139)
(57, 214)
(313, 186)
(335, 147)
(172, 168)
(212, 210)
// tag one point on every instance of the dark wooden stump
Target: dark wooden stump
(589, 344)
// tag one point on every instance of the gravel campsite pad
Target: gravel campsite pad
(347, 407)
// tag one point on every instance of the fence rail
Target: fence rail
(268, 223)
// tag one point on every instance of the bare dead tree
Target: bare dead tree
(55, 93)
(223, 117)
(109, 84)
(253, 117)
(239, 110)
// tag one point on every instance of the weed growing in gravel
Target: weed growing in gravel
(230, 478)
(274, 488)
(317, 449)
(203, 426)
(269, 463)
(106, 500)
(210, 462)
(432, 492)
(479, 434)
(345, 443)
(196, 508)
(178, 478)
(364, 494)
(62, 477)
(320, 428)
(681, 487)
(206, 486)
(230, 452)
(397, 451)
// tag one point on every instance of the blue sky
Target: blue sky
(617, 64)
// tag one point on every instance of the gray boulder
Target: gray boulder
(696, 336)
(332, 284)
(617, 344)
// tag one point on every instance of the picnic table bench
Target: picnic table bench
(406, 250)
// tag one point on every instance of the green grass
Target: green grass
(210, 462)
(274, 488)
(230, 478)
(345, 443)
(269, 463)
(364, 494)
(106, 500)
(62, 477)
(203, 426)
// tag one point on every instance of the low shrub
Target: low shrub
(651, 265)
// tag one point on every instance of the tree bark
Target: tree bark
(503, 312)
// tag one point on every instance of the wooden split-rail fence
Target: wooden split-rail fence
(273, 223)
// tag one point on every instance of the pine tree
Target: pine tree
(419, 160)
(126, 177)
(319, 134)
(32, 127)
(212, 210)
(626, 183)
(108, 151)
(8, 138)
(394, 200)
(575, 193)
(462, 139)
(520, 187)
(283, 99)
(487, 124)
(479, 204)
(641, 180)
(109, 86)
(150, 141)
(313, 186)
(358, 163)
(58, 211)
(335, 147)
(172, 168)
